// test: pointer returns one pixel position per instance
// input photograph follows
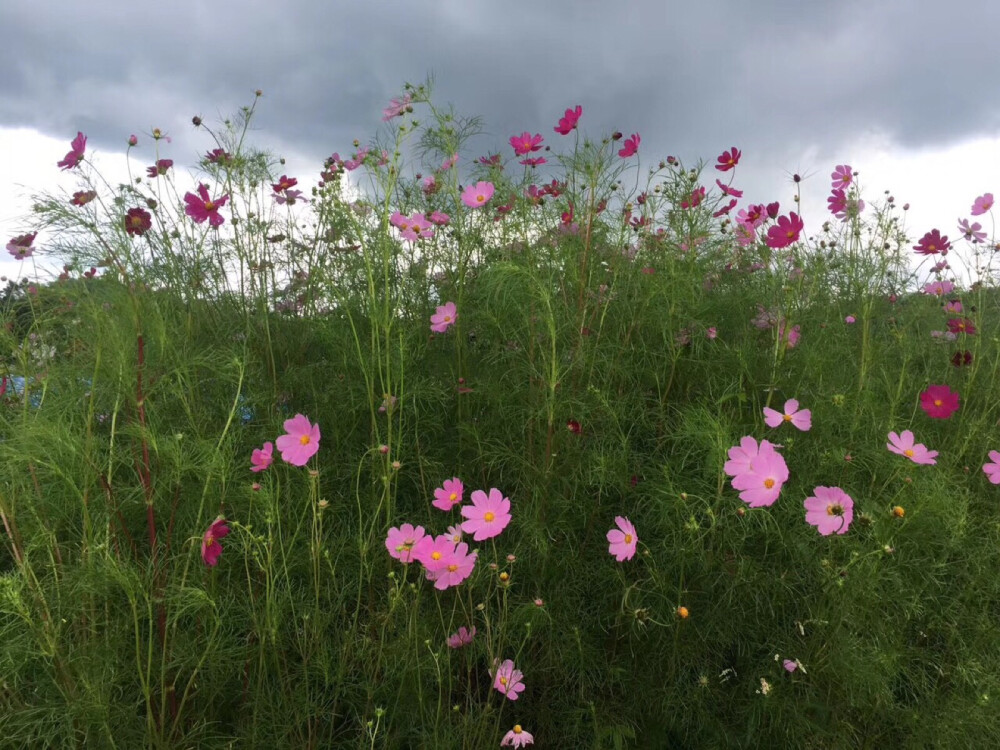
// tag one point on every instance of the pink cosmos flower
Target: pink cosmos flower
(261, 459)
(444, 317)
(631, 146)
(487, 516)
(218, 156)
(397, 107)
(201, 207)
(419, 228)
(842, 176)
(455, 568)
(289, 197)
(301, 441)
(623, 541)
(972, 233)
(20, 247)
(761, 485)
(160, 168)
(449, 162)
(569, 121)
(850, 320)
(401, 542)
(434, 552)
(961, 325)
(83, 197)
(725, 209)
(137, 222)
(77, 147)
(903, 445)
(830, 510)
(939, 288)
(210, 546)
(728, 159)
(517, 737)
(939, 401)
(526, 143)
(284, 183)
(800, 418)
(462, 637)
(536, 162)
(789, 665)
(477, 195)
(727, 190)
(449, 494)
(455, 533)
(440, 218)
(740, 456)
(982, 204)
(508, 680)
(992, 470)
(932, 243)
(791, 336)
(953, 306)
(785, 232)
(399, 220)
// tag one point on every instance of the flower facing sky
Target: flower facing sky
(623, 540)
(487, 516)
(508, 680)
(301, 441)
(740, 456)
(939, 401)
(449, 494)
(444, 317)
(201, 207)
(210, 546)
(800, 418)
(261, 458)
(830, 510)
(903, 445)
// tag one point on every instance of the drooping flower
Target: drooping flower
(301, 441)
(508, 680)
(449, 494)
(20, 247)
(785, 232)
(201, 207)
(728, 159)
(903, 445)
(137, 222)
(939, 401)
(982, 204)
(972, 232)
(444, 317)
(477, 195)
(761, 485)
(77, 147)
(526, 143)
(623, 541)
(961, 325)
(517, 737)
(992, 470)
(210, 546)
(842, 176)
(568, 122)
(461, 637)
(958, 359)
(932, 243)
(262, 458)
(487, 516)
(401, 541)
(728, 190)
(830, 510)
(160, 168)
(800, 418)
(631, 146)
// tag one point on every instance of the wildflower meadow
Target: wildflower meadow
(558, 444)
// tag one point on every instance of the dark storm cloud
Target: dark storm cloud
(774, 77)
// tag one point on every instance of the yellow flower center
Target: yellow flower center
(209, 206)
(628, 539)
(304, 440)
(937, 402)
(452, 568)
(453, 497)
(404, 547)
(435, 555)
(210, 541)
(488, 517)
(835, 510)
(787, 417)
(517, 729)
(908, 453)
(503, 681)
(447, 318)
(480, 198)
(769, 483)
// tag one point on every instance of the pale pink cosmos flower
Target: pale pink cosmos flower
(762, 484)
(301, 441)
(830, 510)
(397, 107)
(399, 220)
(449, 494)
(842, 176)
(992, 470)
(800, 418)
(789, 665)
(982, 204)
(939, 288)
(972, 232)
(455, 569)
(450, 162)
(478, 195)
(462, 637)
(261, 459)
(903, 445)
(953, 306)
(401, 541)
(487, 516)
(77, 147)
(210, 546)
(444, 317)
(419, 228)
(517, 737)
(850, 319)
(508, 680)
(440, 218)
(623, 541)
(740, 456)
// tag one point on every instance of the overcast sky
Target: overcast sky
(905, 91)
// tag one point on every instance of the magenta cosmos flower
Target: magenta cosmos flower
(517, 737)
(761, 485)
(631, 147)
(982, 204)
(20, 247)
(830, 510)
(461, 637)
(201, 207)
(568, 121)
(449, 494)
(262, 458)
(903, 445)
(526, 143)
(210, 546)
(301, 441)
(939, 401)
(444, 317)
(401, 541)
(728, 159)
(962, 325)
(508, 680)
(487, 516)
(161, 167)
(137, 222)
(800, 418)
(77, 146)
(623, 540)
(477, 195)
(785, 232)
(932, 243)
(992, 470)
